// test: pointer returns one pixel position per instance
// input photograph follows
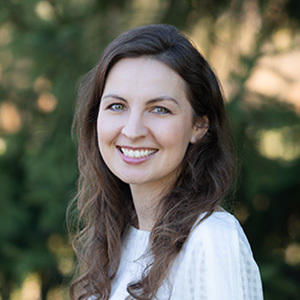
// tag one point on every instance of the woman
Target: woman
(155, 163)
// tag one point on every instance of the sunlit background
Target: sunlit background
(46, 46)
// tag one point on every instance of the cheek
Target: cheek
(105, 129)
(175, 134)
(105, 141)
(104, 134)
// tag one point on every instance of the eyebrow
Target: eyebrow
(114, 96)
(154, 100)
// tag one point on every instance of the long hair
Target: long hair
(104, 202)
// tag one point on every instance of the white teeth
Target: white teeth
(136, 153)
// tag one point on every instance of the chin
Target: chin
(134, 181)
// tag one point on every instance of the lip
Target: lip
(132, 160)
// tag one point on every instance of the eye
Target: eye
(161, 110)
(116, 107)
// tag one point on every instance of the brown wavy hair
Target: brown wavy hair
(104, 203)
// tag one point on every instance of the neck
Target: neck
(146, 199)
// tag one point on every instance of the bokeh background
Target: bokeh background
(45, 48)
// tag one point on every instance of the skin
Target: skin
(144, 106)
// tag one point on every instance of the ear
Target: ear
(200, 128)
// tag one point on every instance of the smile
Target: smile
(137, 153)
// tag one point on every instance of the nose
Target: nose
(134, 127)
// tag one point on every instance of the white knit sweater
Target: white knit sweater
(215, 263)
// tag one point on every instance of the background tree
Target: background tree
(46, 46)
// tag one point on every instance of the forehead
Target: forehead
(144, 75)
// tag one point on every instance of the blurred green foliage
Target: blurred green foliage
(45, 47)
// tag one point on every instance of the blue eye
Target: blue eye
(161, 110)
(116, 107)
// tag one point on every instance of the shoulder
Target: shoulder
(219, 229)
(217, 262)
(219, 221)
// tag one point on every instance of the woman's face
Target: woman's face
(145, 122)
